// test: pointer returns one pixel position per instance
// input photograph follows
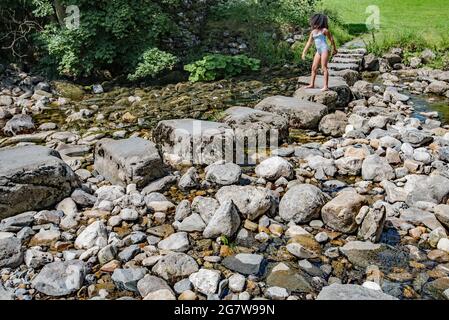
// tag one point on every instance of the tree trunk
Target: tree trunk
(60, 12)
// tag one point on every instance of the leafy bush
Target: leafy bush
(217, 66)
(152, 62)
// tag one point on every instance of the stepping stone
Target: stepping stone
(128, 161)
(349, 56)
(343, 66)
(352, 51)
(350, 76)
(347, 60)
(190, 141)
(328, 98)
(249, 122)
(337, 84)
(302, 114)
(32, 178)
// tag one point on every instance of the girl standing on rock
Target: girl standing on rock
(320, 31)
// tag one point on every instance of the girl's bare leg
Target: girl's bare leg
(324, 61)
(315, 65)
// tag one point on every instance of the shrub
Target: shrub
(152, 62)
(218, 66)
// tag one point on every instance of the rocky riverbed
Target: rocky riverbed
(95, 203)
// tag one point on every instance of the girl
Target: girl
(320, 30)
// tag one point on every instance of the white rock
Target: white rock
(177, 242)
(273, 168)
(205, 280)
(94, 235)
(237, 282)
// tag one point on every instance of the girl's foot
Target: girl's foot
(310, 86)
(325, 89)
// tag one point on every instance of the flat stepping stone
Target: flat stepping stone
(347, 60)
(350, 76)
(337, 84)
(302, 114)
(32, 178)
(350, 51)
(349, 55)
(127, 161)
(249, 122)
(328, 98)
(191, 141)
(343, 66)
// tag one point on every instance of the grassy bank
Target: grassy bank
(409, 24)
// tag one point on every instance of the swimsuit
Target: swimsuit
(320, 42)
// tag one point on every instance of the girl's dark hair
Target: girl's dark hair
(319, 21)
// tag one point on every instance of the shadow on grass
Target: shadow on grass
(356, 28)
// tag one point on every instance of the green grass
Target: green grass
(409, 24)
(428, 18)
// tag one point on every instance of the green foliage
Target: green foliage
(217, 66)
(264, 25)
(111, 33)
(152, 62)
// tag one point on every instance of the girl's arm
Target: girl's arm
(331, 39)
(306, 48)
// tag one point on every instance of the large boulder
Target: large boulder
(363, 89)
(32, 178)
(302, 114)
(351, 292)
(128, 161)
(256, 124)
(328, 98)
(273, 168)
(302, 203)
(190, 141)
(340, 213)
(336, 83)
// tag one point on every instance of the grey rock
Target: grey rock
(32, 182)
(245, 263)
(302, 203)
(192, 223)
(225, 221)
(273, 168)
(252, 202)
(193, 141)
(175, 266)
(183, 210)
(127, 279)
(127, 161)
(149, 284)
(224, 174)
(94, 234)
(334, 124)
(177, 242)
(11, 255)
(351, 292)
(19, 124)
(340, 213)
(205, 207)
(60, 278)
(253, 124)
(205, 281)
(302, 114)
(337, 83)
(377, 169)
(189, 180)
(82, 198)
